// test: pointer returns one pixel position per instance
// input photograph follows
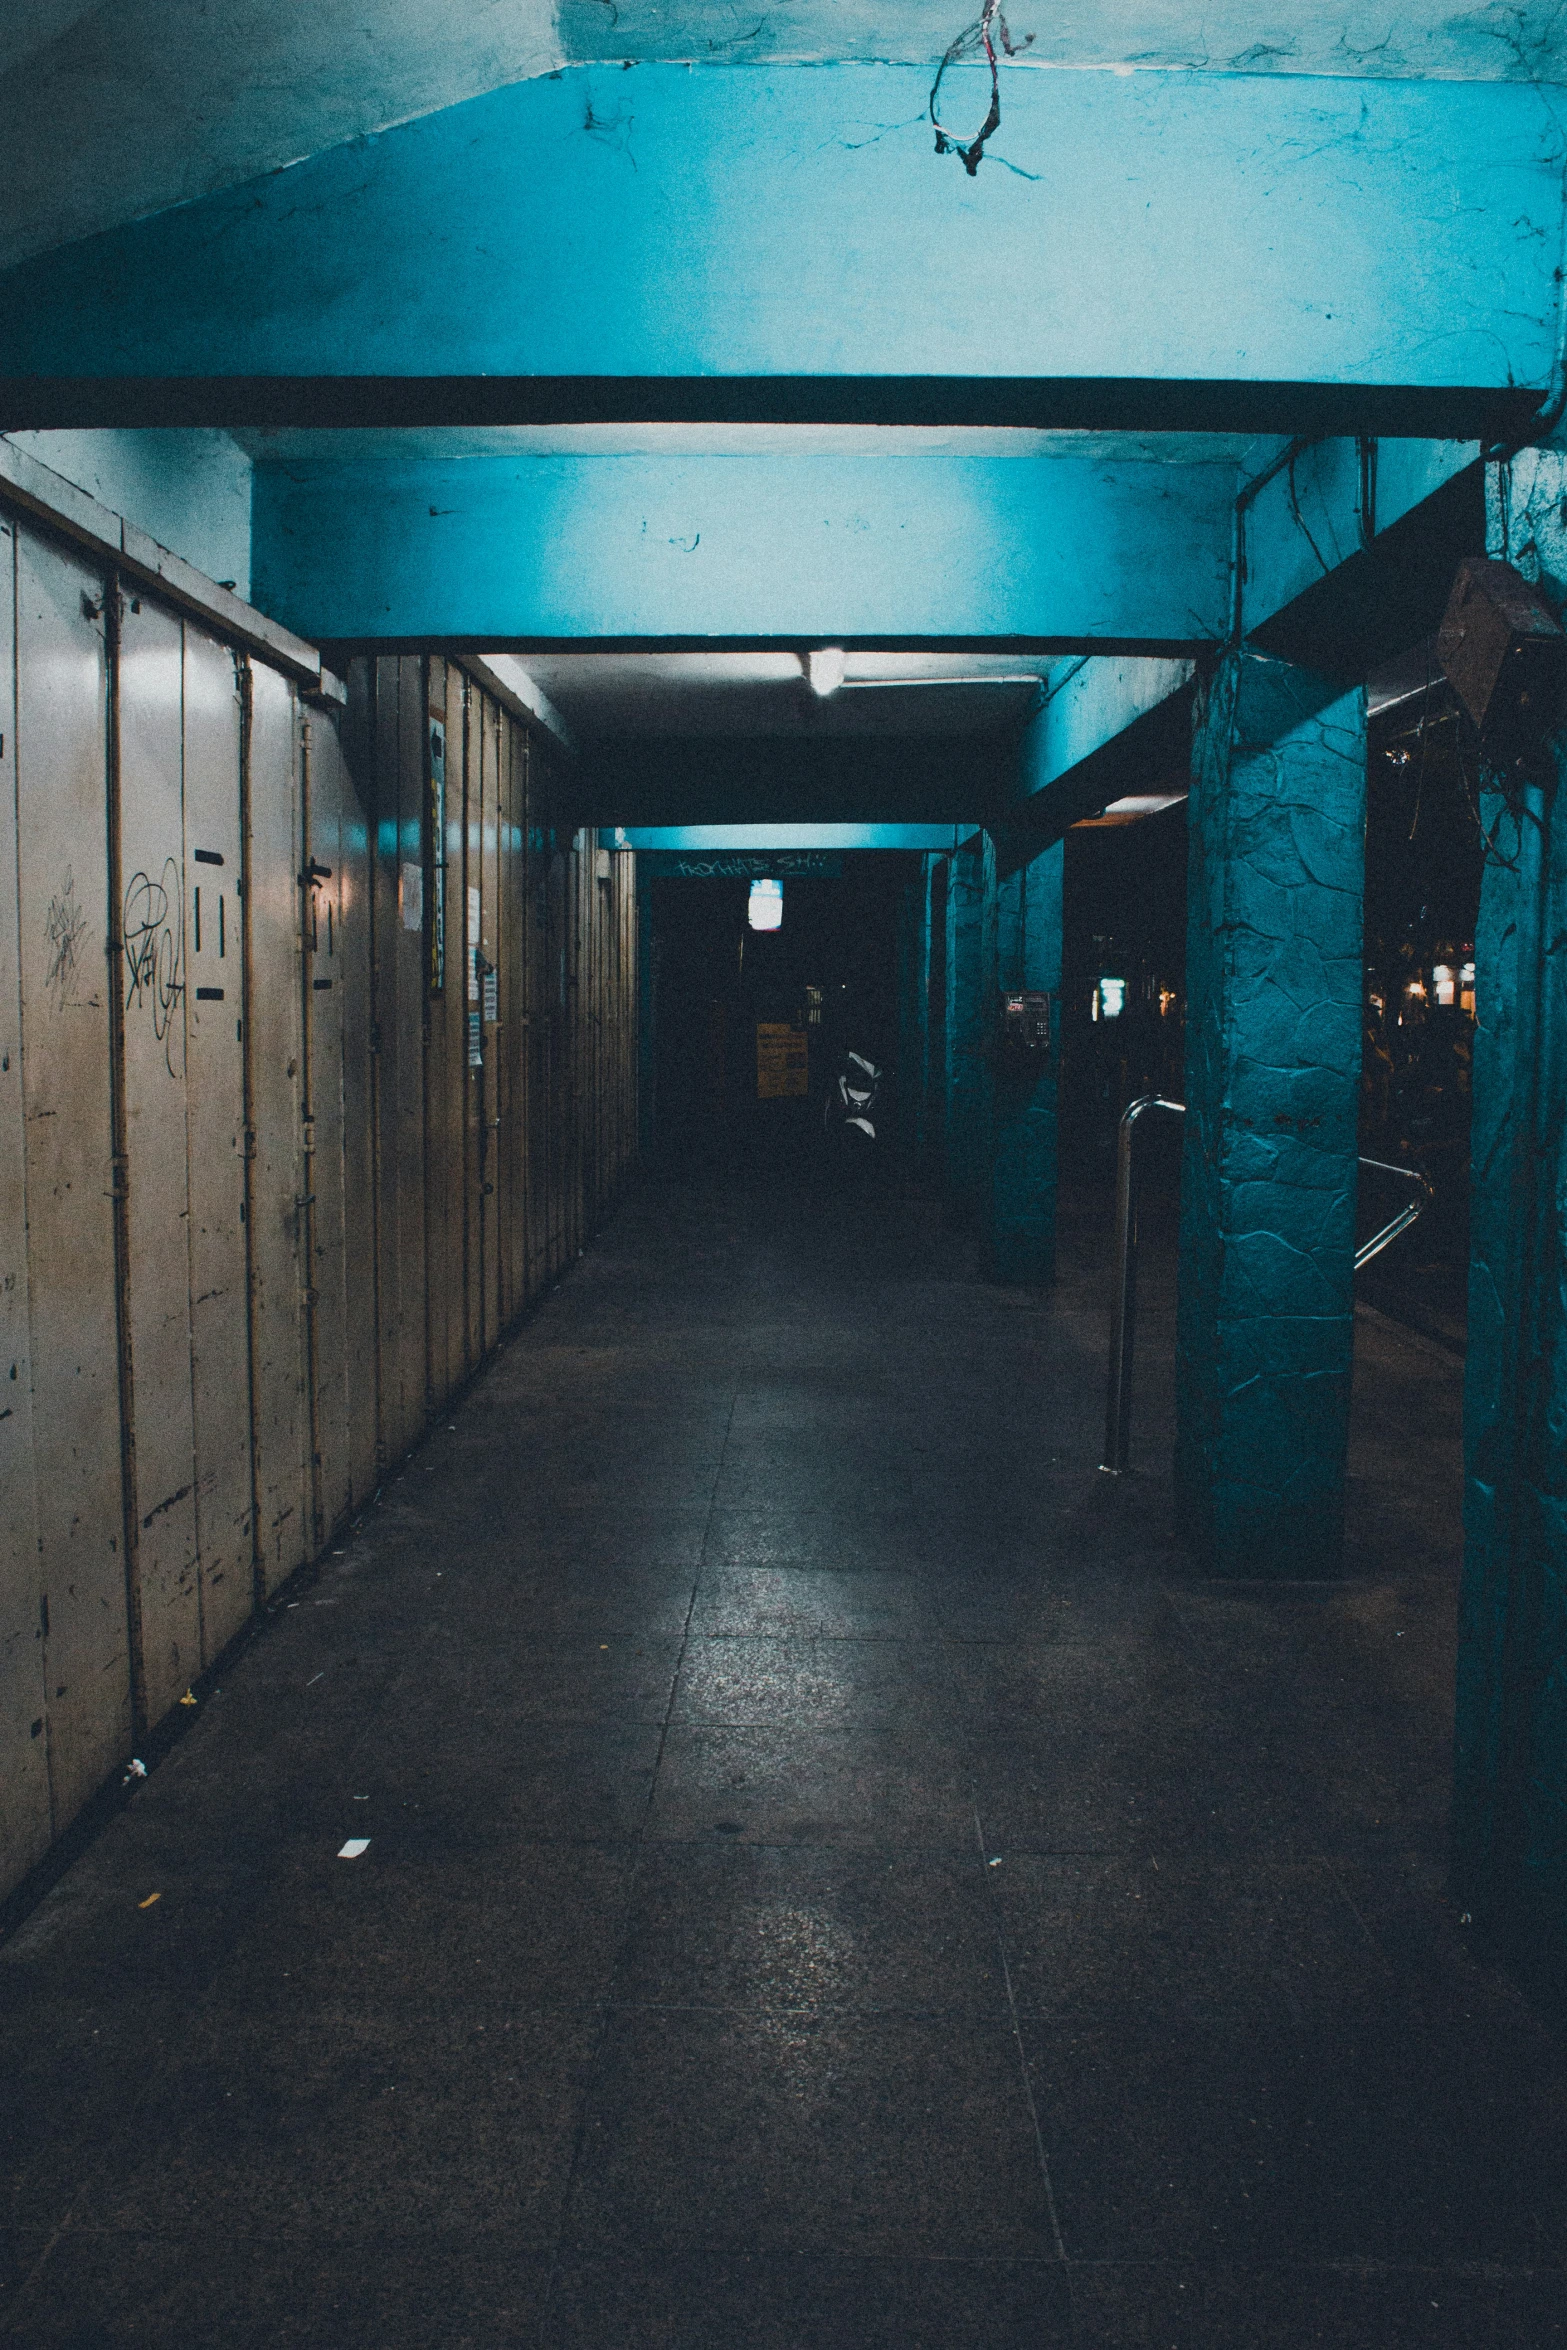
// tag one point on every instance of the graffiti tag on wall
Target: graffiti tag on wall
(65, 926)
(155, 958)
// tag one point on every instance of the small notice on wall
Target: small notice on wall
(472, 957)
(492, 998)
(410, 894)
(783, 1061)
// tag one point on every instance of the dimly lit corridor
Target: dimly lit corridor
(836, 1874)
(783, 1176)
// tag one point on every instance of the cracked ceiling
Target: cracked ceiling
(121, 109)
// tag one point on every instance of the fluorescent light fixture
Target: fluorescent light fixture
(870, 685)
(825, 669)
(765, 911)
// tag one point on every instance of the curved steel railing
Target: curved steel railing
(1123, 1311)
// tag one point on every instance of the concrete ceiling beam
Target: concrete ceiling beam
(1195, 248)
(1065, 551)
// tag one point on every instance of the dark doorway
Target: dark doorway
(1423, 867)
(1123, 996)
(829, 973)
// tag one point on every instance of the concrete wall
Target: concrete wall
(317, 1061)
(187, 488)
(1510, 1794)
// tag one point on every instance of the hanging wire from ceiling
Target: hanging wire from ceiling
(979, 37)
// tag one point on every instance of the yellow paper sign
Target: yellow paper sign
(783, 1061)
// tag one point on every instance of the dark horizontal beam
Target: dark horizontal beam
(1038, 403)
(336, 651)
(935, 779)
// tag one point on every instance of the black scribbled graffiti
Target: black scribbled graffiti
(155, 957)
(65, 926)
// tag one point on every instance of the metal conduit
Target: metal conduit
(1123, 1311)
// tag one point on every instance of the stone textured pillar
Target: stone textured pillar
(913, 943)
(1023, 1165)
(971, 979)
(1268, 1180)
(1510, 1781)
(933, 1113)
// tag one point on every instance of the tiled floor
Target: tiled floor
(838, 1879)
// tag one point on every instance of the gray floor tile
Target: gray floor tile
(782, 2131)
(715, 2301)
(729, 1924)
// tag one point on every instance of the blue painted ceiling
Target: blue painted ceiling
(122, 108)
(125, 109)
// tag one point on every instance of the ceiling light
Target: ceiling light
(765, 911)
(861, 685)
(825, 669)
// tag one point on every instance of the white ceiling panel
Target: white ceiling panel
(733, 695)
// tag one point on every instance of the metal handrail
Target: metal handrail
(1402, 1221)
(1123, 1312)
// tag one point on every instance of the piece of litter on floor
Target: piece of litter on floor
(137, 1770)
(293, 1603)
(151, 1898)
(314, 1678)
(994, 1864)
(361, 1799)
(603, 1647)
(189, 1697)
(354, 1847)
(340, 1554)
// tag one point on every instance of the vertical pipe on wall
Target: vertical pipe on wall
(118, 1155)
(361, 1207)
(243, 677)
(158, 956)
(408, 858)
(214, 1012)
(310, 873)
(25, 1824)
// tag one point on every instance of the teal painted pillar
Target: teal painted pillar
(1510, 1777)
(933, 1086)
(970, 993)
(1023, 1165)
(908, 1090)
(1265, 1317)
(647, 1006)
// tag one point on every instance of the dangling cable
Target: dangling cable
(975, 37)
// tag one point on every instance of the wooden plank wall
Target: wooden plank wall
(274, 1181)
